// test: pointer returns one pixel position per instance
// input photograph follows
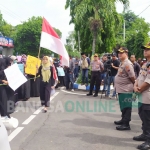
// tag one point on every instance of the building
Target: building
(6, 46)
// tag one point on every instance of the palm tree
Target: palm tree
(102, 12)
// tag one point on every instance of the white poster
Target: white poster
(14, 77)
(60, 71)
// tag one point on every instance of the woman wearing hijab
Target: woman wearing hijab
(24, 90)
(12, 97)
(3, 94)
(34, 86)
(46, 82)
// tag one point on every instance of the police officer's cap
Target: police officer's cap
(147, 46)
(123, 50)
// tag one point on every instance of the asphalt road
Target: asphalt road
(74, 122)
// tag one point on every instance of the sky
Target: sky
(15, 11)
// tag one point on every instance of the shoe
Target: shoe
(118, 122)
(123, 127)
(113, 97)
(141, 137)
(95, 95)
(89, 94)
(72, 90)
(144, 146)
(44, 111)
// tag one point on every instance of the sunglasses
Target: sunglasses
(95, 56)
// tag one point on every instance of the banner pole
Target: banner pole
(37, 61)
(39, 52)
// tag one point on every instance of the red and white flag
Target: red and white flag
(51, 41)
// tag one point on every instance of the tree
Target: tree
(100, 17)
(71, 45)
(5, 28)
(136, 33)
(27, 37)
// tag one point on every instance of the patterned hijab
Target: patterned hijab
(24, 59)
(46, 73)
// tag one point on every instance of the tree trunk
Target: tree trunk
(94, 43)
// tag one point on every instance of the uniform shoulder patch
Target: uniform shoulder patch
(127, 67)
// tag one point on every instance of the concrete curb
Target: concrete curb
(87, 88)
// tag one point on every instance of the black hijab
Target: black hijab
(8, 62)
(2, 68)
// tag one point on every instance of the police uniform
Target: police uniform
(96, 67)
(144, 106)
(124, 88)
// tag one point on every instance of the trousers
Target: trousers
(144, 113)
(95, 80)
(45, 93)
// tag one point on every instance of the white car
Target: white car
(4, 143)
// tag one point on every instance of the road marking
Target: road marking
(79, 93)
(54, 96)
(29, 120)
(72, 93)
(38, 111)
(15, 133)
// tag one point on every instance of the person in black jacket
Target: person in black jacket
(46, 82)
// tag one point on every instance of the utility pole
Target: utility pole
(79, 41)
(79, 44)
(124, 27)
(124, 31)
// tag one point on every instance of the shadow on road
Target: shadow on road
(108, 140)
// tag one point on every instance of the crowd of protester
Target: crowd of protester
(103, 75)
(126, 74)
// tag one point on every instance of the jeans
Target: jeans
(103, 77)
(85, 75)
(69, 78)
(76, 72)
(110, 80)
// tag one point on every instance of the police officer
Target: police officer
(142, 85)
(96, 69)
(124, 83)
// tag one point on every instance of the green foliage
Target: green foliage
(27, 37)
(98, 23)
(136, 33)
(71, 45)
(5, 28)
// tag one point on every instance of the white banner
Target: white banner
(14, 77)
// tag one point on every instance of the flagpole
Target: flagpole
(39, 52)
(37, 61)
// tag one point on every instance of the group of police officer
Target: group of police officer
(126, 84)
